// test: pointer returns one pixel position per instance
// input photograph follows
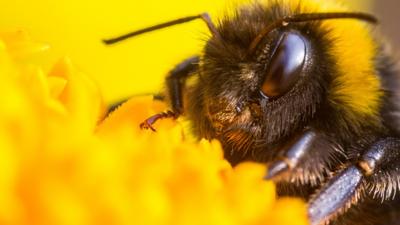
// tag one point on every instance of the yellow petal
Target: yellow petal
(20, 45)
(288, 212)
(80, 96)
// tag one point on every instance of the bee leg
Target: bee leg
(148, 123)
(305, 159)
(376, 173)
(292, 156)
(175, 82)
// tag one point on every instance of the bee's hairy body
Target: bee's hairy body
(348, 94)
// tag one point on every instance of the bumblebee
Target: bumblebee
(307, 88)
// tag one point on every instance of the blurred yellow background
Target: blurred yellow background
(137, 66)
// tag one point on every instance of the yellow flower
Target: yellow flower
(62, 163)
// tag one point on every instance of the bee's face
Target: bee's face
(263, 96)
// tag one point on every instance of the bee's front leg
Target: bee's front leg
(175, 82)
(376, 174)
(292, 155)
(306, 159)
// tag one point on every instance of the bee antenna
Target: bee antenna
(304, 17)
(204, 16)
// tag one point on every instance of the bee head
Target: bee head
(263, 96)
(265, 77)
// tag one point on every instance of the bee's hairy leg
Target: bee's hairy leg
(175, 81)
(305, 159)
(376, 173)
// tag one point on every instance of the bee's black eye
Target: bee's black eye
(285, 65)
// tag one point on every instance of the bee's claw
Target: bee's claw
(148, 123)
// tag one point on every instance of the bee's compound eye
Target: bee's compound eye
(285, 65)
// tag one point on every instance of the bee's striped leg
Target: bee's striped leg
(376, 174)
(305, 160)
